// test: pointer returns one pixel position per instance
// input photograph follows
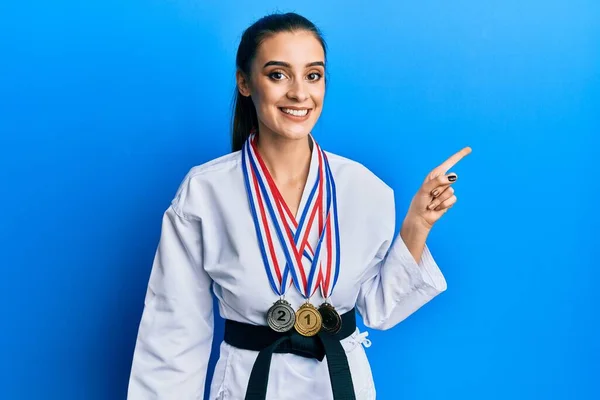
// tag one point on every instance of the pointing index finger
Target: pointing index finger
(455, 158)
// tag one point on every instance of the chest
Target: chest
(292, 195)
(235, 262)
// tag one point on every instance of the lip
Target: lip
(294, 117)
(296, 108)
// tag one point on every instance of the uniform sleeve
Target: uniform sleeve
(175, 333)
(397, 285)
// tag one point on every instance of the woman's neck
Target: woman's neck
(288, 160)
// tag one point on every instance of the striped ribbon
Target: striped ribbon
(303, 264)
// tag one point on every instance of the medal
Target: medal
(308, 320)
(303, 263)
(332, 322)
(281, 316)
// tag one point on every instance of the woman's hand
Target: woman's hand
(436, 195)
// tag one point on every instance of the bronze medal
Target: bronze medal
(308, 320)
(332, 322)
(281, 316)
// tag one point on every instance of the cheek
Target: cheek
(318, 95)
(267, 92)
(265, 100)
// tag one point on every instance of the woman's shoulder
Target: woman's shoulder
(212, 173)
(364, 192)
(220, 164)
(356, 172)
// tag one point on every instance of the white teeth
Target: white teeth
(297, 113)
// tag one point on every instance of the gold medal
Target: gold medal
(308, 320)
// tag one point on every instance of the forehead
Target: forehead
(297, 48)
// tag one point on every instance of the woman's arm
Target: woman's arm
(401, 279)
(404, 277)
(414, 235)
(175, 334)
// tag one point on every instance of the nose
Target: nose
(298, 91)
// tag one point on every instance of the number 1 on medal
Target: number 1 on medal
(308, 320)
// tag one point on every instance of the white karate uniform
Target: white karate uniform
(208, 240)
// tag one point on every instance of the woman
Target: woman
(291, 240)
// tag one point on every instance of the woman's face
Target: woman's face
(287, 84)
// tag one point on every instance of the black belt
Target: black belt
(266, 341)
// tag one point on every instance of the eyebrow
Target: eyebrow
(287, 65)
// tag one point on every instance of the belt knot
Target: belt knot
(309, 347)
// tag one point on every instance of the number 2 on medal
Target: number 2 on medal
(281, 317)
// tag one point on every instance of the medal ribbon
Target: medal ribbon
(278, 279)
(332, 264)
(288, 232)
(261, 198)
(292, 236)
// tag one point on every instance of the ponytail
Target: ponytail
(244, 120)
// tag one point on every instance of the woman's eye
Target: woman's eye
(314, 76)
(276, 76)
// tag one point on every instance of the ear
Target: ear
(243, 83)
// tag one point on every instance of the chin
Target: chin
(294, 132)
(297, 130)
(294, 135)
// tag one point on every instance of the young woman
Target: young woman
(291, 239)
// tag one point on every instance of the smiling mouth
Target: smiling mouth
(295, 113)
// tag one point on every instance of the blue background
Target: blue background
(105, 105)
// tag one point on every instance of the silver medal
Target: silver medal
(281, 316)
